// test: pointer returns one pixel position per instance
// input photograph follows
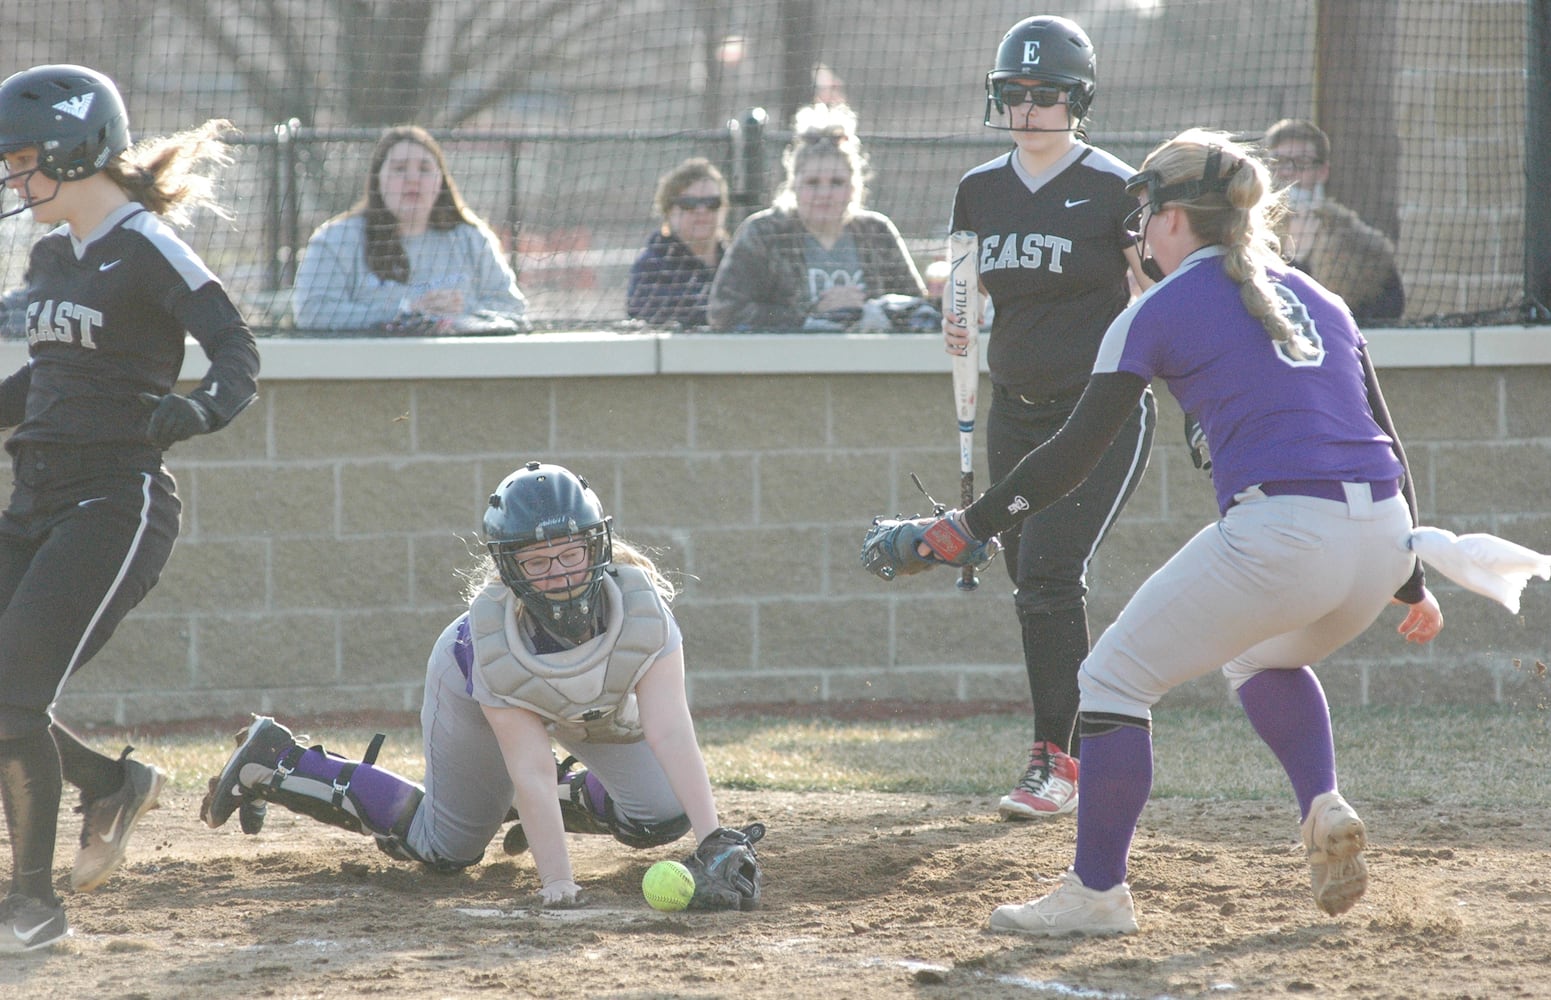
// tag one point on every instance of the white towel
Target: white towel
(1486, 564)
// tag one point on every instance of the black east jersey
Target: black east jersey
(105, 323)
(1052, 258)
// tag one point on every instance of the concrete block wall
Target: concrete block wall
(324, 531)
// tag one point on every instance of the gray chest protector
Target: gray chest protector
(586, 693)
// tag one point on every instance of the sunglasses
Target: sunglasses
(1294, 164)
(1043, 95)
(712, 202)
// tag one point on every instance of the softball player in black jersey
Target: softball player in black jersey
(93, 514)
(1054, 251)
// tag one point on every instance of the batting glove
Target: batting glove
(175, 418)
(950, 542)
(1195, 438)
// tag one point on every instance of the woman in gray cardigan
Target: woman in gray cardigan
(811, 260)
(410, 257)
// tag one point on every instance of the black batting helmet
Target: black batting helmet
(1046, 48)
(73, 115)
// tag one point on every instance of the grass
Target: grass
(1481, 756)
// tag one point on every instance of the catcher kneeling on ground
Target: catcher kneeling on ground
(568, 637)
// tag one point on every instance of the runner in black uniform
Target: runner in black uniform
(93, 513)
(1054, 252)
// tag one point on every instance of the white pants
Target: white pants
(1279, 582)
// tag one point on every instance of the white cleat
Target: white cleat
(1072, 908)
(1335, 837)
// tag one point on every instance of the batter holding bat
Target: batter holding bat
(1053, 255)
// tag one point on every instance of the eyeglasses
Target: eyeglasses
(1294, 164)
(712, 202)
(1043, 95)
(536, 566)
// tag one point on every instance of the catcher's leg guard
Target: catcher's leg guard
(357, 796)
(258, 751)
(585, 807)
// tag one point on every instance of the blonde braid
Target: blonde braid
(1243, 227)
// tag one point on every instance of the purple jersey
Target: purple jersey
(1267, 416)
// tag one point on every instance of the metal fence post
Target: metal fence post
(747, 134)
(1537, 164)
(272, 195)
(290, 201)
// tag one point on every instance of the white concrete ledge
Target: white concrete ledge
(591, 354)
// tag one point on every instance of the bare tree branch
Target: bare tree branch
(270, 94)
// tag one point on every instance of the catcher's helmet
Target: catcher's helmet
(1045, 48)
(541, 504)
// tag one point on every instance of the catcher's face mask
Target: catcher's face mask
(1150, 182)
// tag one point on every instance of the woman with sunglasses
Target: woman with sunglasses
(568, 638)
(1054, 257)
(671, 279)
(815, 257)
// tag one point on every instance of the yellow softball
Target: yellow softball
(668, 885)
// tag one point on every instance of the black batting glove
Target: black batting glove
(175, 418)
(1195, 438)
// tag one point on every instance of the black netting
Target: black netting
(558, 117)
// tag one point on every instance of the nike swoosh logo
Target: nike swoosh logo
(1080, 201)
(110, 265)
(25, 937)
(86, 503)
(107, 838)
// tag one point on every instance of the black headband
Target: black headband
(1209, 182)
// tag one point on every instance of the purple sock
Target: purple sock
(383, 800)
(1115, 780)
(597, 796)
(1288, 710)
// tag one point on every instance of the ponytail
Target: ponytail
(175, 174)
(1238, 216)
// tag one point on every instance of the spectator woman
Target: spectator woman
(811, 260)
(671, 279)
(410, 256)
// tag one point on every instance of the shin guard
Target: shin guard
(586, 807)
(355, 795)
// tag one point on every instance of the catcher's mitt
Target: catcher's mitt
(726, 870)
(889, 547)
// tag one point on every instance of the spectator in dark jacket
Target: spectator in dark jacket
(671, 279)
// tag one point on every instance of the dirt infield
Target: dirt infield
(869, 895)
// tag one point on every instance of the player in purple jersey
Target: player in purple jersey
(1054, 256)
(568, 637)
(1314, 541)
(110, 294)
